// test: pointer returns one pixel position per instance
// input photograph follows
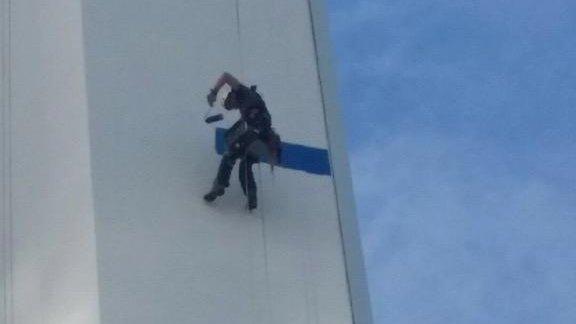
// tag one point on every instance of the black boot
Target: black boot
(252, 201)
(215, 192)
(247, 181)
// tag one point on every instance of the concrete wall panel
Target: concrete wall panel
(106, 157)
(53, 258)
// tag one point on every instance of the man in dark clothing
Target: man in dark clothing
(254, 125)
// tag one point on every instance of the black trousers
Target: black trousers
(238, 149)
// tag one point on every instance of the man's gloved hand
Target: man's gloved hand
(211, 97)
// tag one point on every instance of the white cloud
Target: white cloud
(451, 235)
(461, 115)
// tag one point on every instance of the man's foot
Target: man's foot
(252, 203)
(213, 194)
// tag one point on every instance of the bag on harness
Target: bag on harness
(274, 144)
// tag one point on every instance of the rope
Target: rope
(265, 245)
(263, 227)
(239, 36)
(266, 306)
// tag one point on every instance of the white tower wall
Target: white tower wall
(106, 157)
(48, 248)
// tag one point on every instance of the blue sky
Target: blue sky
(461, 119)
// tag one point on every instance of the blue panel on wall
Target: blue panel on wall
(294, 156)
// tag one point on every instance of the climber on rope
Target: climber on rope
(249, 139)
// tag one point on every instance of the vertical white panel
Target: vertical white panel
(164, 255)
(5, 250)
(279, 54)
(359, 295)
(54, 260)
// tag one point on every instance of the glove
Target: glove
(211, 97)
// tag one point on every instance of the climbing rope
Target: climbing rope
(263, 232)
(264, 244)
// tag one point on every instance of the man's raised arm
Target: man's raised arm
(225, 78)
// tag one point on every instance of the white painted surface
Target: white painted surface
(133, 75)
(278, 48)
(52, 230)
(4, 162)
(164, 255)
(356, 275)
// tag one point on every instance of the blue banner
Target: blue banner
(294, 156)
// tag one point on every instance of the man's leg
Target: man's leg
(247, 181)
(223, 177)
(225, 170)
(236, 150)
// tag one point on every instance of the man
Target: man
(254, 127)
